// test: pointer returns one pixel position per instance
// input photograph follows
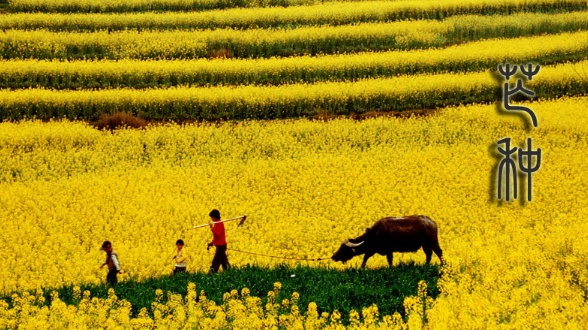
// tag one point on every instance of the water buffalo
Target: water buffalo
(388, 235)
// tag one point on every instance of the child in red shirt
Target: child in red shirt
(220, 242)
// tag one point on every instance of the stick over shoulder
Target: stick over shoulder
(243, 217)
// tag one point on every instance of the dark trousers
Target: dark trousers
(111, 277)
(220, 258)
(179, 270)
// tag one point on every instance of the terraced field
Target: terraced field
(83, 60)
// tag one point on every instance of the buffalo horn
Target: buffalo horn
(352, 245)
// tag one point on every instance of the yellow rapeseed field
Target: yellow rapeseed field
(306, 186)
(472, 56)
(258, 42)
(333, 13)
(407, 6)
(251, 101)
(238, 311)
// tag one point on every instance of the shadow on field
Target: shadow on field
(330, 289)
(421, 113)
(121, 120)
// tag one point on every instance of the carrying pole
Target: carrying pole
(243, 217)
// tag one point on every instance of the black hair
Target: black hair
(181, 242)
(215, 214)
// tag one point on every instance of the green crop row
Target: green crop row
(120, 6)
(331, 13)
(474, 56)
(282, 42)
(286, 101)
(94, 6)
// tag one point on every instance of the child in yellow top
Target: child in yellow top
(180, 257)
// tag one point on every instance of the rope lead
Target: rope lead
(265, 255)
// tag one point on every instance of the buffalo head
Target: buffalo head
(346, 251)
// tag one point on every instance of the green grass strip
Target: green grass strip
(474, 56)
(346, 290)
(331, 13)
(287, 101)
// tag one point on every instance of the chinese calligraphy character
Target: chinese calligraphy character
(507, 161)
(510, 165)
(507, 93)
(529, 168)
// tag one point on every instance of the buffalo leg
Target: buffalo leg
(428, 253)
(389, 257)
(438, 252)
(365, 259)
